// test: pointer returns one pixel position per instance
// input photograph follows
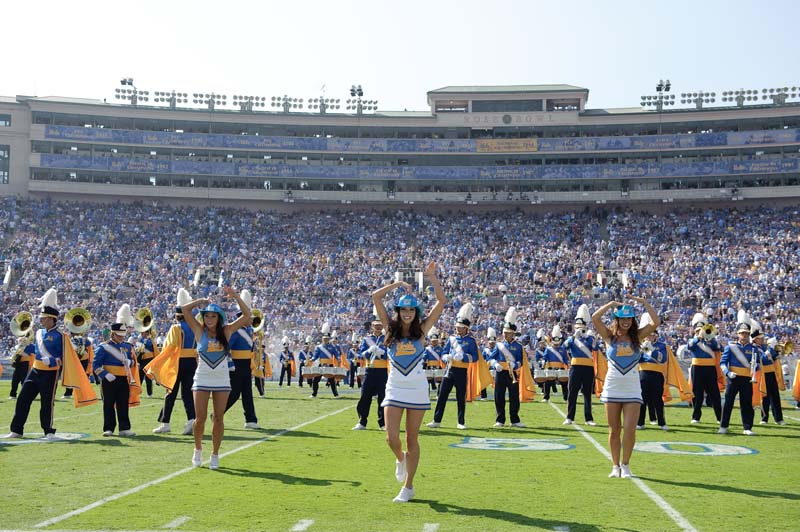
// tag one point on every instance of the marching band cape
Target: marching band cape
(75, 377)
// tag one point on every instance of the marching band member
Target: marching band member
(507, 357)
(705, 350)
(85, 351)
(580, 348)
(146, 350)
(115, 366)
(212, 380)
(21, 361)
(375, 375)
(352, 360)
(458, 353)
(772, 379)
(555, 358)
(407, 388)
(43, 377)
(242, 344)
(491, 342)
(326, 354)
(652, 371)
(433, 354)
(622, 390)
(258, 365)
(739, 363)
(175, 367)
(304, 357)
(286, 359)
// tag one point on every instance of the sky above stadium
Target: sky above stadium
(397, 51)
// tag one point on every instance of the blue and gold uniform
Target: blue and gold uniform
(352, 372)
(459, 352)
(113, 363)
(325, 354)
(736, 365)
(303, 357)
(652, 369)
(146, 352)
(555, 358)
(771, 373)
(180, 337)
(41, 380)
(432, 360)
(241, 345)
(579, 349)
(22, 362)
(85, 351)
(286, 359)
(376, 374)
(704, 375)
(504, 381)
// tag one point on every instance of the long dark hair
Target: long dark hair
(220, 333)
(395, 329)
(632, 333)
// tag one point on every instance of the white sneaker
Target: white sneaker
(10, 435)
(781, 422)
(614, 472)
(164, 428)
(461, 427)
(591, 423)
(359, 426)
(722, 430)
(214, 463)
(127, 433)
(250, 425)
(400, 469)
(405, 495)
(568, 421)
(383, 428)
(519, 425)
(664, 427)
(639, 427)
(654, 422)
(498, 424)
(625, 471)
(433, 425)
(188, 428)
(197, 457)
(749, 432)
(695, 421)
(108, 433)
(762, 422)
(51, 436)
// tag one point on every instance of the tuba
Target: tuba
(78, 320)
(258, 320)
(22, 323)
(785, 349)
(143, 320)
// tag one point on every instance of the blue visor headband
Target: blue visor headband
(212, 307)
(624, 311)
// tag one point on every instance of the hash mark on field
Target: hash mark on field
(430, 527)
(139, 488)
(679, 519)
(303, 524)
(175, 523)
(792, 417)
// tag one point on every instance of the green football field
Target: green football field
(307, 470)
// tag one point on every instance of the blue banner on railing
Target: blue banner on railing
(366, 145)
(546, 172)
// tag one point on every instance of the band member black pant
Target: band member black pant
(115, 404)
(42, 383)
(455, 377)
(85, 364)
(18, 377)
(503, 382)
(653, 395)
(772, 399)
(581, 379)
(186, 369)
(553, 386)
(432, 381)
(704, 381)
(352, 375)
(241, 384)
(743, 387)
(300, 375)
(285, 371)
(259, 383)
(315, 386)
(143, 378)
(374, 384)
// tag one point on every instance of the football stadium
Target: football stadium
(526, 230)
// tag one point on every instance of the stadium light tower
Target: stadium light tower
(288, 103)
(698, 98)
(355, 103)
(660, 99)
(247, 103)
(172, 98)
(779, 95)
(211, 100)
(133, 94)
(740, 96)
(323, 104)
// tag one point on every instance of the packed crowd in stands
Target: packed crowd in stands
(305, 268)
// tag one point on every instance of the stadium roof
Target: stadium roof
(509, 89)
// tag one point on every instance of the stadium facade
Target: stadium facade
(489, 145)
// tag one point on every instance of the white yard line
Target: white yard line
(141, 487)
(175, 523)
(676, 516)
(303, 524)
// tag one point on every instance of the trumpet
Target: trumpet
(709, 332)
(22, 323)
(143, 320)
(78, 320)
(258, 320)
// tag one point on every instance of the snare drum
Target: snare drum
(361, 371)
(539, 375)
(328, 372)
(550, 374)
(311, 372)
(438, 375)
(429, 374)
(563, 375)
(339, 373)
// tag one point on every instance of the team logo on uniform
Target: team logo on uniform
(513, 444)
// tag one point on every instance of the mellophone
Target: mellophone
(543, 375)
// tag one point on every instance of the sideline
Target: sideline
(676, 516)
(137, 489)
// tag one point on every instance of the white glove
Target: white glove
(498, 367)
(315, 364)
(458, 357)
(109, 377)
(46, 359)
(731, 375)
(127, 362)
(378, 352)
(446, 358)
